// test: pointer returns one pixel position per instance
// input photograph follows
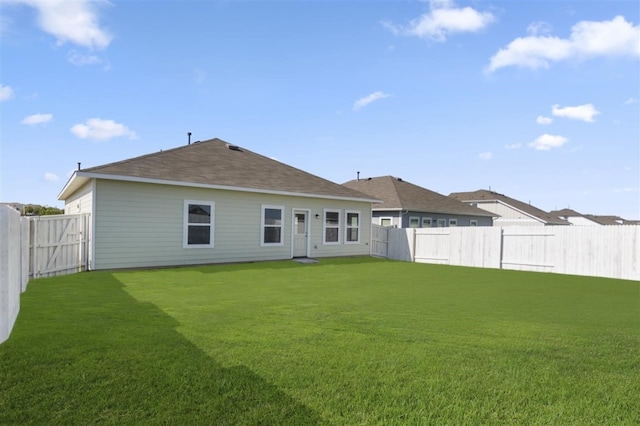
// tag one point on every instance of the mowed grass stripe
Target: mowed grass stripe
(344, 341)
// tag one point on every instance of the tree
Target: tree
(37, 210)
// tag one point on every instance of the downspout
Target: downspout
(402, 212)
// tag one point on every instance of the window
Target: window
(473, 222)
(414, 222)
(198, 224)
(385, 221)
(352, 227)
(426, 222)
(332, 226)
(272, 226)
(442, 223)
(453, 222)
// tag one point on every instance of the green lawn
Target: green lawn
(355, 341)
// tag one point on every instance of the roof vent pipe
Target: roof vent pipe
(78, 166)
(358, 174)
(189, 138)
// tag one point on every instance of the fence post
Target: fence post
(413, 244)
(501, 245)
(10, 285)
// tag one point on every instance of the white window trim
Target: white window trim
(424, 220)
(324, 226)
(386, 217)
(347, 226)
(262, 225)
(416, 218)
(185, 226)
(473, 222)
(453, 222)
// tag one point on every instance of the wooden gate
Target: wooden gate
(59, 245)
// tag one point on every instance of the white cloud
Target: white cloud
(547, 142)
(514, 146)
(362, 102)
(37, 119)
(584, 112)
(50, 177)
(536, 28)
(75, 21)
(444, 19)
(99, 129)
(626, 190)
(631, 101)
(6, 93)
(486, 155)
(80, 59)
(544, 120)
(588, 39)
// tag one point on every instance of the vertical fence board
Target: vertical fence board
(603, 251)
(10, 269)
(59, 245)
(379, 240)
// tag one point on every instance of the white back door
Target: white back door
(300, 233)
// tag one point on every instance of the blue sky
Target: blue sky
(537, 100)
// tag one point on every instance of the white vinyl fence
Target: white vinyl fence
(603, 251)
(379, 241)
(14, 266)
(35, 247)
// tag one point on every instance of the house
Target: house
(406, 205)
(212, 202)
(16, 206)
(511, 211)
(608, 220)
(575, 218)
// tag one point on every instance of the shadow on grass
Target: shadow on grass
(85, 352)
(282, 264)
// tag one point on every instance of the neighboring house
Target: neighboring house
(606, 220)
(511, 211)
(211, 202)
(405, 205)
(16, 206)
(574, 217)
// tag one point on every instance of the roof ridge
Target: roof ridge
(151, 154)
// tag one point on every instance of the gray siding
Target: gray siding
(508, 215)
(141, 225)
(402, 220)
(80, 201)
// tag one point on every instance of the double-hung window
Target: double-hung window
(331, 226)
(352, 230)
(453, 222)
(198, 224)
(414, 222)
(272, 225)
(426, 222)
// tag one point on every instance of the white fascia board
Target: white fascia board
(210, 186)
(76, 180)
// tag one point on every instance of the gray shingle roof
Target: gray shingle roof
(566, 213)
(605, 220)
(215, 162)
(397, 194)
(485, 195)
